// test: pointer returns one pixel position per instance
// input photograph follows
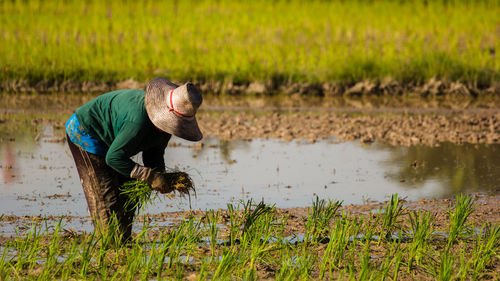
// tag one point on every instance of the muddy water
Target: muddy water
(38, 176)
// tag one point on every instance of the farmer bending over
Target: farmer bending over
(105, 132)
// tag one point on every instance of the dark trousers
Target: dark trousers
(101, 187)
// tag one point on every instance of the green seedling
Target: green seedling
(421, 228)
(391, 218)
(28, 247)
(340, 233)
(88, 247)
(5, 265)
(255, 242)
(212, 218)
(166, 243)
(251, 214)
(320, 216)
(260, 245)
(68, 266)
(234, 223)
(445, 272)
(53, 250)
(226, 265)
(397, 264)
(485, 248)
(139, 194)
(464, 207)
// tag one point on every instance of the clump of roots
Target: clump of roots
(181, 182)
(140, 194)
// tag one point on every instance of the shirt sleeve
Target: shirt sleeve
(153, 157)
(125, 145)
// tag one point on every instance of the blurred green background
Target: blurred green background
(243, 41)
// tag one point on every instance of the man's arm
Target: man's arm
(153, 157)
(125, 145)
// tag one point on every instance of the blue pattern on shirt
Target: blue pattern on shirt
(78, 136)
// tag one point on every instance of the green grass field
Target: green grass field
(242, 41)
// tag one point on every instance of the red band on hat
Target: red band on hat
(172, 107)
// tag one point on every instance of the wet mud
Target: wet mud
(404, 129)
(485, 215)
(386, 86)
(486, 210)
(394, 121)
(39, 177)
(348, 147)
(442, 146)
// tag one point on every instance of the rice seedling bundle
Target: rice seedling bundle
(140, 194)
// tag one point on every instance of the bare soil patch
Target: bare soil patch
(393, 121)
(397, 128)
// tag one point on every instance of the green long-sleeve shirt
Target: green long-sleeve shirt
(119, 119)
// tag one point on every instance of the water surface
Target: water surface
(38, 176)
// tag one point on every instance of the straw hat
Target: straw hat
(172, 108)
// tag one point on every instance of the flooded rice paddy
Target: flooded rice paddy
(247, 153)
(273, 154)
(38, 176)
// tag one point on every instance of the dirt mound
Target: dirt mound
(386, 86)
(396, 129)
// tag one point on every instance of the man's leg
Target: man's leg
(101, 187)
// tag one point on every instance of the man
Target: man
(105, 132)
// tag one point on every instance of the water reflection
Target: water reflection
(462, 168)
(8, 165)
(36, 165)
(225, 150)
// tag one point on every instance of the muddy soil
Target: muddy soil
(394, 128)
(487, 210)
(386, 86)
(390, 120)
(397, 126)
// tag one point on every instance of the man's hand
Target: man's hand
(157, 180)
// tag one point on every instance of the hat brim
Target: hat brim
(166, 120)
